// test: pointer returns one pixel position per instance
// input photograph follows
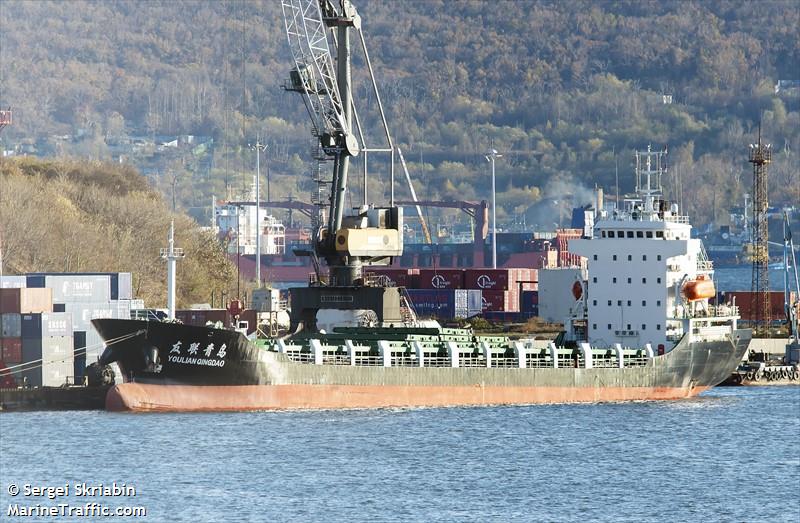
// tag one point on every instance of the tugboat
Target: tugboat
(674, 346)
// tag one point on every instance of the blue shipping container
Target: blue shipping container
(36, 281)
(530, 301)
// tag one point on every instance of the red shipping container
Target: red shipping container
(441, 279)
(743, 300)
(400, 277)
(489, 279)
(11, 351)
(26, 301)
(9, 300)
(500, 301)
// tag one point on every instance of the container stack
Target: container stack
(75, 299)
(498, 294)
(47, 339)
(34, 336)
(446, 303)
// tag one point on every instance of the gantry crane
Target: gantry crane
(370, 235)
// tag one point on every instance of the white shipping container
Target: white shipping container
(84, 313)
(125, 289)
(76, 288)
(56, 324)
(57, 349)
(57, 374)
(94, 346)
(12, 282)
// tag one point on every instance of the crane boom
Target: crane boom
(366, 235)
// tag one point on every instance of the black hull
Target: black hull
(201, 356)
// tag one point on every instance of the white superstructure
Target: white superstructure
(240, 219)
(649, 281)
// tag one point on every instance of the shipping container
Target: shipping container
(94, 346)
(79, 342)
(50, 375)
(489, 279)
(445, 303)
(441, 279)
(9, 300)
(84, 312)
(79, 288)
(79, 367)
(125, 286)
(11, 350)
(46, 325)
(11, 325)
(529, 301)
(506, 301)
(399, 277)
(12, 282)
(35, 281)
(31, 349)
(26, 300)
(743, 300)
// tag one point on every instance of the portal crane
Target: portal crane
(370, 235)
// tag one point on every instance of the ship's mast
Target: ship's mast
(171, 254)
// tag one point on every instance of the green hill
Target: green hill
(86, 216)
(566, 89)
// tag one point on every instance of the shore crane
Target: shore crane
(368, 235)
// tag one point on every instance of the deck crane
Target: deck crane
(368, 235)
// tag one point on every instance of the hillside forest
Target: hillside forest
(566, 90)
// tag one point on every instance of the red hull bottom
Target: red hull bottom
(139, 397)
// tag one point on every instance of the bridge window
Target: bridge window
(659, 234)
(644, 327)
(630, 258)
(614, 257)
(658, 257)
(658, 327)
(649, 234)
(644, 257)
(629, 303)
(644, 303)
(630, 234)
(610, 234)
(594, 257)
(644, 280)
(640, 234)
(609, 326)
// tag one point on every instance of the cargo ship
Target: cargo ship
(642, 328)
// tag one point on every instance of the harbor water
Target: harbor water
(727, 455)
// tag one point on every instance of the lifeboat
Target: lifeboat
(699, 289)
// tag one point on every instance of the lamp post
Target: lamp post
(258, 146)
(491, 157)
